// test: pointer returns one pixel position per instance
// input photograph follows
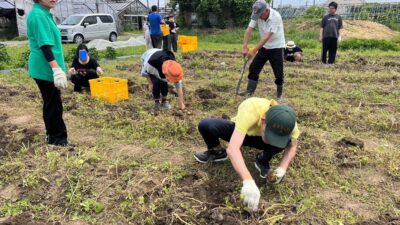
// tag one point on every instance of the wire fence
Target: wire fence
(372, 12)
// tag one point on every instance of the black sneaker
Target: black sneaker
(262, 168)
(211, 155)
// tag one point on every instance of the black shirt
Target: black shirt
(172, 25)
(82, 68)
(331, 25)
(158, 58)
(289, 53)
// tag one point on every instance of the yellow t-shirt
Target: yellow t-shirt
(250, 112)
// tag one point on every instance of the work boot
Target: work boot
(251, 88)
(262, 166)
(217, 154)
(279, 92)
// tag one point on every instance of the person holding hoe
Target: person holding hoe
(262, 124)
(270, 47)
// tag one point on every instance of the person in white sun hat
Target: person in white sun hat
(293, 53)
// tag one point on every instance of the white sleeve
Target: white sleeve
(253, 24)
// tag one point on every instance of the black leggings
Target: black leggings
(275, 58)
(159, 87)
(329, 44)
(82, 80)
(52, 112)
(212, 130)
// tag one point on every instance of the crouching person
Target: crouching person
(160, 67)
(262, 124)
(83, 68)
(293, 53)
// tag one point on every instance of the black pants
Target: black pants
(275, 58)
(329, 45)
(167, 43)
(159, 87)
(174, 41)
(212, 130)
(156, 40)
(52, 112)
(82, 80)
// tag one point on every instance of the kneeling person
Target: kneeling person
(260, 123)
(160, 67)
(83, 68)
(293, 53)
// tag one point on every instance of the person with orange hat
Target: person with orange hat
(160, 67)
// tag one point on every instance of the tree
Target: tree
(228, 12)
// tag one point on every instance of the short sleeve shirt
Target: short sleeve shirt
(83, 68)
(289, 53)
(331, 25)
(273, 24)
(155, 21)
(152, 61)
(250, 112)
(42, 30)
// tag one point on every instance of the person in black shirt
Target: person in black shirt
(330, 34)
(83, 68)
(173, 28)
(292, 52)
(161, 68)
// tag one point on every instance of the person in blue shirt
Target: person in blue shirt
(155, 20)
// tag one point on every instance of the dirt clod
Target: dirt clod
(351, 142)
(205, 93)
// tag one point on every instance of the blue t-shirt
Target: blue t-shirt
(155, 20)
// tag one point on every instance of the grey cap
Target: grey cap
(258, 8)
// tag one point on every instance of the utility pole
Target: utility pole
(148, 4)
(97, 5)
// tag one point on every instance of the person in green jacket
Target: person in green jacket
(47, 68)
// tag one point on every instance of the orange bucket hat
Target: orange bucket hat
(172, 70)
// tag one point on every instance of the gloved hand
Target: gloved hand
(276, 176)
(339, 39)
(60, 79)
(250, 194)
(72, 71)
(99, 71)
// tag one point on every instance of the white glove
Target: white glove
(276, 176)
(250, 194)
(60, 79)
(72, 71)
(99, 71)
(339, 39)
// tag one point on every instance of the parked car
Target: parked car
(81, 28)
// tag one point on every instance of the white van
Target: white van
(80, 28)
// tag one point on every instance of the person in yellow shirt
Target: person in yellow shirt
(260, 123)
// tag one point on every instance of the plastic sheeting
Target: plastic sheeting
(100, 44)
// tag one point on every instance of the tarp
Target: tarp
(100, 44)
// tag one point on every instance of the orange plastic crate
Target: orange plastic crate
(109, 89)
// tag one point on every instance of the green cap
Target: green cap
(280, 120)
